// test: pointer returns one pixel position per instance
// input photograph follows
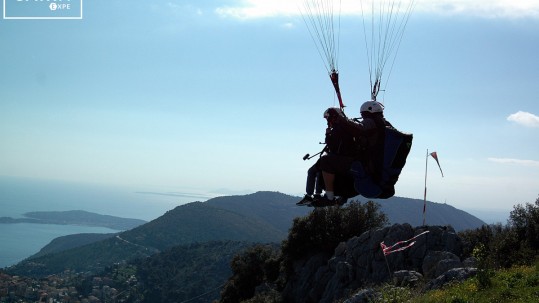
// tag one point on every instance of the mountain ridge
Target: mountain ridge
(408, 210)
(261, 217)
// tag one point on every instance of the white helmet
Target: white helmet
(372, 107)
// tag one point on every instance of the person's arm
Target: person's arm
(356, 129)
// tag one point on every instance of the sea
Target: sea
(18, 196)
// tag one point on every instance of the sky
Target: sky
(227, 97)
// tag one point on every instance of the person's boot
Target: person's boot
(307, 200)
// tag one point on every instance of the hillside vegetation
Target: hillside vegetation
(201, 222)
(506, 258)
(71, 241)
(515, 284)
(177, 274)
(318, 233)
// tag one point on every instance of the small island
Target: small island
(75, 217)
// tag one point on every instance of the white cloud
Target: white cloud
(524, 118)
(528, 163)
(260, 9)
(482, 8)
(288, 25)
(479, 8)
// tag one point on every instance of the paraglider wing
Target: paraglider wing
(322, 18)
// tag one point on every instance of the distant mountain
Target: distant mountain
(274, 208)
(262, 217)
(202, 222)
(406, 210)
(279, 210)
(75, 217)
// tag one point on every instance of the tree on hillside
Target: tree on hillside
(257, 264)
(324, 228)
(524, 219)
(515, 243)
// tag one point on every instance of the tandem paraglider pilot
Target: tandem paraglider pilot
(365, 156)
(336, 142)
(369, 137)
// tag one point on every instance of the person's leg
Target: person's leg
(329, 165)
(309, 187)
(329, 179)
(311, 180)
(332, 165)
(319, 184)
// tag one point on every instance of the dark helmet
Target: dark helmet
(332, 112)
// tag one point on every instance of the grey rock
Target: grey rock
(406, 278)
(455, 274)
(446, 265)
(470, 262)
(431, 261)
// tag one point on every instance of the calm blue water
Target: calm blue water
(18, 196)
(19, 241)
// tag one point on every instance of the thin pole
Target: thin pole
(425, 193)
(388, 269)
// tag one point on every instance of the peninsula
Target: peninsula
(75, 217)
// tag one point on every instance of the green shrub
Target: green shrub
(517, 243)
(524, 220)
(484, 268)
(324, 228)
(252, 267)
(392, 294)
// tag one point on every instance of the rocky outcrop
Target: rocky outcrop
(360, 262)
(455, 274)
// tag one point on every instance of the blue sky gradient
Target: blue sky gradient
(229, 95)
